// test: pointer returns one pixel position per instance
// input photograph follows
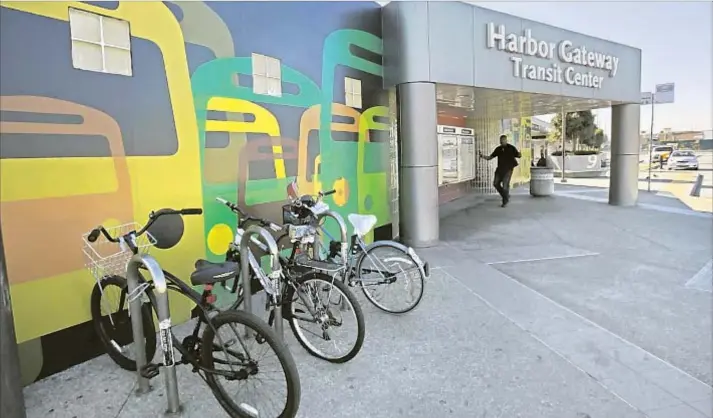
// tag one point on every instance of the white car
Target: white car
(685, 159)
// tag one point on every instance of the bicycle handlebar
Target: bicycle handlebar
(328, 192)
(245, 217)
(92, 237)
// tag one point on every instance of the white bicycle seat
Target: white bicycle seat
(362, 223)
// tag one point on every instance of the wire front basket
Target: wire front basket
(105, 258)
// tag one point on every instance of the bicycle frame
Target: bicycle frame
(359, 248)
(276, 298)
(203, 309)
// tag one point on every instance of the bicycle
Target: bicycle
(302, 286)
(374, 267)
(241, 363)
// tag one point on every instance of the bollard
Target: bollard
(697, 186)
(164, 322)
(12, 402)
(247, 259)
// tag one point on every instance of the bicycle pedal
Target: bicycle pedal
(150, 370)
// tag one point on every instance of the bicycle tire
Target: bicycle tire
(361, 326)
(261, 328)
(124, 322)
(417, 301)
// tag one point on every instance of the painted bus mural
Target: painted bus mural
(174, 115)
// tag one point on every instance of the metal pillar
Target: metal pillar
(248, 261)
(164, 323)
(12, 402)
(564, 144)
(624, 179)
(418, 165)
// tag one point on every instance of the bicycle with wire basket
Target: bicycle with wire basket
(111, 322)
(383, 269)
(307, 296)
(204, 351)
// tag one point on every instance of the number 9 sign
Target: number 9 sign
(592, 161)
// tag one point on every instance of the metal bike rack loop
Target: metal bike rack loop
(245, 254)
(342, 231)
(164, 323)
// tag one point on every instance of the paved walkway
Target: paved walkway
(551, 308)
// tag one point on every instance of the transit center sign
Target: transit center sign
(564, 55)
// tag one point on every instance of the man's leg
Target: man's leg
(497, 183)
(506, 186)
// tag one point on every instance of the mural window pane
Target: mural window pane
(259, 65)
(356, 87)
(116, 32)
(85, 26)
(274, 87)
(117, 61)
(100, 43)
(86, 56)
(260, 84)
(356, 101)
(273, 68)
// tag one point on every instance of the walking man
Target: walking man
(507, 155)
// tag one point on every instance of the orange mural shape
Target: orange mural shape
(260, 149)
(43, 235)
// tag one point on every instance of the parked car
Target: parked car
(685, 159)
(661, 153)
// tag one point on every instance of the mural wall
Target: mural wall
(79, 148)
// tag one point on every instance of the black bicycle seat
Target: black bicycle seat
(208, 272)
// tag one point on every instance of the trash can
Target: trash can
(542, 181)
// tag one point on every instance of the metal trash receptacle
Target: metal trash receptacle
(542, 181)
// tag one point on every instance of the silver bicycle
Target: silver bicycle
(391, 275)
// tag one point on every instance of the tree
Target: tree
(581, 129)
(595, 140)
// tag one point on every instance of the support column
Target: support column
(418, 165)
(624, 177)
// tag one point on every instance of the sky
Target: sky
(676, 39)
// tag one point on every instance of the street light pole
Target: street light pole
(12, 403)
(651, 139)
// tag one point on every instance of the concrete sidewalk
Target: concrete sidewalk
(550, 308)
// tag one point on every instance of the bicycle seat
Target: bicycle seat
(208, 272)
(362, 223)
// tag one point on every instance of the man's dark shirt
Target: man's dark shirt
(506, 157)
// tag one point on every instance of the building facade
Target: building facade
(109, 110)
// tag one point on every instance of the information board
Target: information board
(466, 158)
(447, 159)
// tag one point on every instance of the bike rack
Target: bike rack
(245, 273)
(345, 244)
(164, 324)
(342, 231)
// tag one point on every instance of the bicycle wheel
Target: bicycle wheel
(110, 316)
(390, 278)
(231, 353)
(325, 323)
